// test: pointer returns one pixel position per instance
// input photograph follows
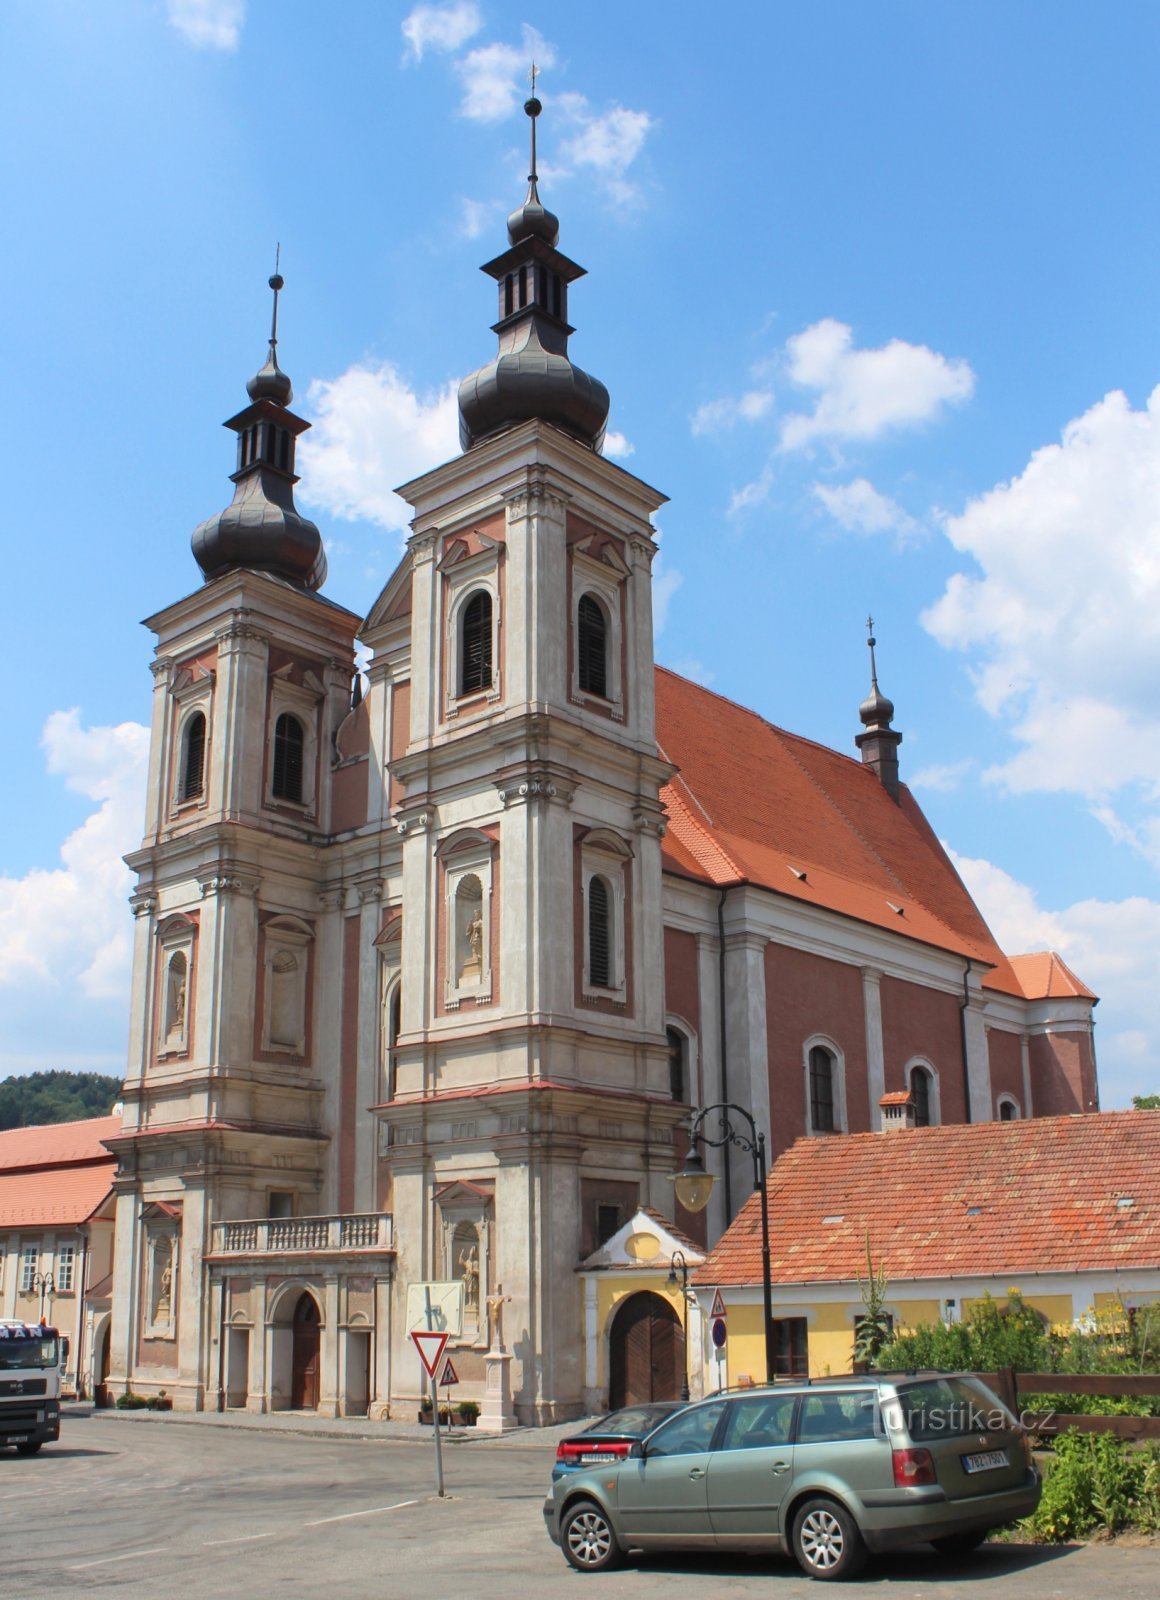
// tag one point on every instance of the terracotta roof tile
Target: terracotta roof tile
(1045, 975)
(48, 1144)
(995, 1199)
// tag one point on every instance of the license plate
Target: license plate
(594, 1458)
(19, 1438)
(987, 1461)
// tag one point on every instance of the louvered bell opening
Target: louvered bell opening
(193, 766)
(475, 673)
(599, 961)
(289, 740)
(592, 645)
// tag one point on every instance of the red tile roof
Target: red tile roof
(55, 1174)
(1046, 976)
(995, 1199)
(751, 803)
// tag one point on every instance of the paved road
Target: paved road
(119, 1508)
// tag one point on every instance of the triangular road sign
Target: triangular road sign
(718, 1305)
(449, 1375)
(430, 1346)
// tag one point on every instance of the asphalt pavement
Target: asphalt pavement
(147, 1509)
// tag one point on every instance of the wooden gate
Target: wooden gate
(646, 1352)
(304, 1369)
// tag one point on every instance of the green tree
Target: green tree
(41, 1097)
(1146, 1102)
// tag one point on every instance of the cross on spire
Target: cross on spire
(872, 641)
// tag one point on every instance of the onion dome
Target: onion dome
(531, 376)
(262, 527)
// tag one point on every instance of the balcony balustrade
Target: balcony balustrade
(368, 1232)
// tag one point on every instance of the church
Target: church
(434, 962)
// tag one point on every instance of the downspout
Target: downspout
(724, 1050)
(963, 1004)
(80, 1328)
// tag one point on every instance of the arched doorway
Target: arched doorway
(646, 1352)
(304, 1355)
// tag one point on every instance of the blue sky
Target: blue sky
(872, 287)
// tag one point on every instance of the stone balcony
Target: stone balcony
(366, 1233)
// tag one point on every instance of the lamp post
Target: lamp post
(677, 1263)
(45, 1282)
(694, 1185)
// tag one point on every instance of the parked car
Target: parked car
(609, 1437)
(827, 1470)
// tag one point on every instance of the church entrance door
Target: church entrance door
(646, 1352)
(305, 1356)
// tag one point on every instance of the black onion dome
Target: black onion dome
(271, 383)
(533, 219)
(528, 381)
(876, 710)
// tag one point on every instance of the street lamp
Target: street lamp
(45, 1282)
(677, 1263)
(694, 1185)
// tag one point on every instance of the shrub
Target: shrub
(468, 1410)
(132, 1402)
(1097, 1482)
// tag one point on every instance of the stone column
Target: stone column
(875, 1050)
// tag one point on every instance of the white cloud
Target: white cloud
(435, 27)
(68, 927)
(862, 394)
(208, 24)
(1061, 613)
(617, 446)
(751, 494)
(692, 667)
(476, 217)
(860, 508)
(944, 778)
(495, 76)
(1110, 945)
(666, 582)
(716, 415)
(371, 432)
(605, 143)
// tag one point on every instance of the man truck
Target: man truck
(29, 1385)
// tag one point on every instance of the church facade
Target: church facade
(430, 969)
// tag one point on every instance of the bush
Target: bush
(468, 1410)
(132, 1402)
(992, 1336)
(1097, 1482)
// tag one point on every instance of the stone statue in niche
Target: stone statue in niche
(163, 1294)
(176, 998)
(469, 905)
(469, 1272)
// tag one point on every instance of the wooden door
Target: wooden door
(646, 1352)
(304, 1370)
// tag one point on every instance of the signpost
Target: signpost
(434, 1315)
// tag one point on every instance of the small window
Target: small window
(599, 934)
(1008, 1111)
(29, 1261)
(193, 757)
(821, 1090)
(475, 661)
(920, 1094)
(65, 1264)
(508, 296)
(791, 1358)
(678, 1075)
(592, 647)
(394, 1021)
(289, 748)
(280, 1203)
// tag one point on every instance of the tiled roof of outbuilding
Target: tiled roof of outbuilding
(994, 1199)
(752, 803)
(56, 1173)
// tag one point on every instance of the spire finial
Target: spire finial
(277, 283)
(872, 641)
(533, 108)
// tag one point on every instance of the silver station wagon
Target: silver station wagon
(828, 1470)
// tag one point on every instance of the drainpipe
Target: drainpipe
(221, 1360)
(963, 1004)
(724, 1049)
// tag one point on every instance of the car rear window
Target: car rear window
(632, 1420)
(946, 1408)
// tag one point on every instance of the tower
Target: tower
(528, 1090)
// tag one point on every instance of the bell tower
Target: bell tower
(531, 1061)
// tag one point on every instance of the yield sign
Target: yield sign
(430, 1346)
(718, 1309)
(450, 1375)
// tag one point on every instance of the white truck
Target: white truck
(29, 1385)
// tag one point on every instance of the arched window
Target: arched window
(394, 1022)
(920, 1094)
(289, 745)
(193, 757)
(1008, 1109)
(678, 1065)
(821, 1091)
(592, 646)
(475, 656)
(599, 934)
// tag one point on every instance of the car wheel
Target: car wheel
(826, 1541)
(587, 1539)
(959, 1544)
(29, 1447)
